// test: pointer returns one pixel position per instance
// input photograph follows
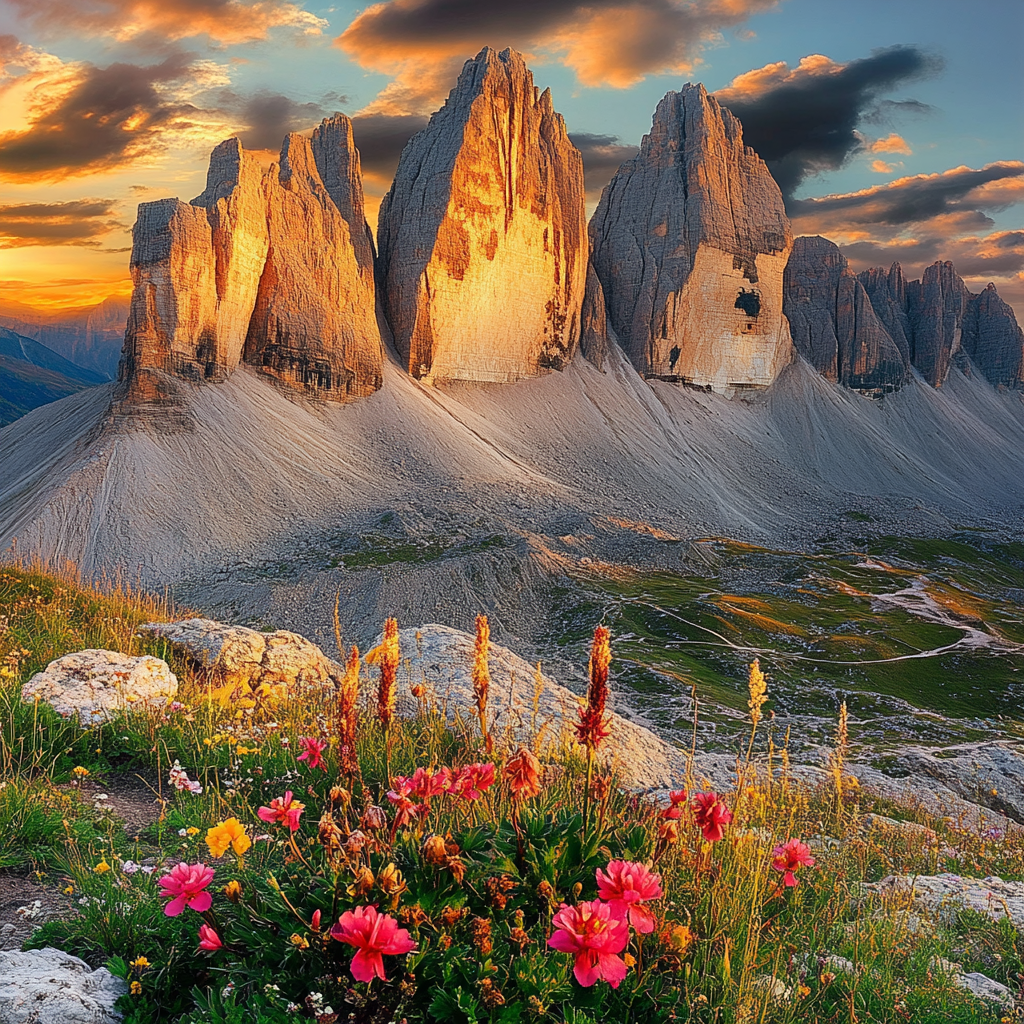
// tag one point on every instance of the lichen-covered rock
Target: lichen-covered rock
(993, 339)
(95, 686)
(243, 661)
(314, 324)
(833, 323)
(690, 242)
(46, 986)
(482, 236)
(936, 306)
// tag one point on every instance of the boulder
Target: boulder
(690, 241)
(243, 661)
(833, 323)
(482, 236)
(936, 306)
(993, 339)
(96, 686)
(46, 986)
(940, 896)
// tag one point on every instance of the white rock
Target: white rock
(96, 685)
(941, 895)
(46, 986)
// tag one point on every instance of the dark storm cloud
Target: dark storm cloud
(268, 117)
(803, 121)
(602, 155)
(76, 222)
(380, 139)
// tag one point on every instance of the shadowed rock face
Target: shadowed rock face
(690, 242)
(276, 268)
(482, 236)
(936, 306)
(594, 322)
(887, 290)
(833, 323)
(993, 339)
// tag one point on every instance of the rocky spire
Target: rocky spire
(594, 321)
(834, 325)
(936, 306)
(993, 339)
(482, 236)
(690, 242)
(887, 290)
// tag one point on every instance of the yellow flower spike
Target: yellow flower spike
(273, 883)
(102, 868)
(80, 771)
(140, 963)
(299, 942)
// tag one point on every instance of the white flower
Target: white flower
(182, 831)
(129, 867)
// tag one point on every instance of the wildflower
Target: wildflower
(140, 963)
(594, 935)
(208, 938)
(136, 988)
(185, 886)
(711, 815)
(372, 934)
(592, 729)
(233, 891)
(389, 657)
(434, 850)
(228, 833)
(283, 810)
(677, 797)
(390, 880)
(298, 941)
(405, 808)
(472, 781)
(102, 868)
(328, 833)
(348, 715)
(312, 751)
(425, 786)
(624, 885)
(363, 884)
(492, 997)
(129, 867)
(79, 772)
(482, 675)
(789, 857)
(315, 921)
(758, 688)
(373, 818)
(523, 774)
(480, 930)
(179, 779)
(680, 939)
(191, 831)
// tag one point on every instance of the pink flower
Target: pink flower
(312, 751)
(790, 856)
(185, 886)
(472, 781)
(425, 785)
(594, 934)
(316, 921)
(372, 934)
(711, 815)
(208, 938)
(283, 810)
(623, 886)
(405, 809)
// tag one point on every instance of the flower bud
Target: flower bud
(356, 841)
(433, 850)
(373, 818)
(577, 889)
(340, 795)
(316, 920)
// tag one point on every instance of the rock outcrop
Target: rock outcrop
(834, 326)
(594, 321)
(482, 236)
(993, 339)
(276, 268)
(887, 290)
(690, 242)
(936, 306)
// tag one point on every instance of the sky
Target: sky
(894, 127)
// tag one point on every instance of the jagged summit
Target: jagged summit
(690, 242)
(482, 236)
(275, 268)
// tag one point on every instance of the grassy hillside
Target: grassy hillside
(471, 859)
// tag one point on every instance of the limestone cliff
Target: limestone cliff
(594, 322)
(936, 306)
(277, 267)
(833, 323)
(314, 324)
(690, 242)
(482, 236)
(887, 290)
(993, 339)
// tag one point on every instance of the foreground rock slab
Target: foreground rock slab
(46, 986)
(96, 686)
(942, 895)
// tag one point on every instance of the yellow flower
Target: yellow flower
(390, 880)
(803, 991)
(140, 963)
(299, 941)
(102, 868)
(136, 988)
(233, 891)
(228, 833)
(191, 831)
(69, 890)
(80, 771)
(681, 938)
(629, 960)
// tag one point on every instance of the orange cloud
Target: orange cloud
(423, 43)
(76, 222)
(892, 143)
(881, 167)
(227, 22)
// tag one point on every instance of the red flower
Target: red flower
(405, 809)
(283, 810)
(315, 923)
(472, 781)
(312, 751)
(425, 785)
(185, 886)
(523, 774)
(372, 934)
(624, 886)
(594, 935)
(208, 938)
(677, 798)
(711, 815)
(789, 857)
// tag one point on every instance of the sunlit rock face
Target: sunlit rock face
(314, 325)
(690, 243)
(834, 326)
(482, 237)
(936, 306)
(993, 339)
(275, 268)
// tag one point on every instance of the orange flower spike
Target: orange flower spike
(348, 715)
(390, 655)
(591, 730)
(482, 674)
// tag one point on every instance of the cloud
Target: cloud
(881, 167)
(267, 117)
(423, 43)
(227, 22)
(602, 155)
(803, 120)
(380, 139)
(892, 143)
(76, 222)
